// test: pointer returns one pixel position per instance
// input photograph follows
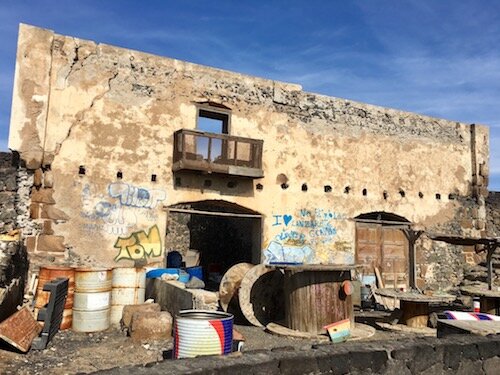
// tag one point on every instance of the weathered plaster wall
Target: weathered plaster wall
(81, 105)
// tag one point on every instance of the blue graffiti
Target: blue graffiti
(278, 253)
(135, 196)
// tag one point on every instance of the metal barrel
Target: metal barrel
(201, 332)
(93, 279)
(47, 274)
(92, 299)
(128, 288)
(90, 321)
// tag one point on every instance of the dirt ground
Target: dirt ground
(77, 353)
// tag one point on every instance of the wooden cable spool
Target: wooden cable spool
(230, 284)
(261, 295)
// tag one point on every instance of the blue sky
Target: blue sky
(440, 58)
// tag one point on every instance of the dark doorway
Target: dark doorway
(224, 233)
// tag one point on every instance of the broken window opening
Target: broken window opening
(327, 189)
(212, 122)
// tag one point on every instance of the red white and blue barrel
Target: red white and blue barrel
(201, 332)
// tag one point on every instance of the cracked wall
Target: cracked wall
(113, 112)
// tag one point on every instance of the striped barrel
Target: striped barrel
(200, 332)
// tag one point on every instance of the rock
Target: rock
(152, 325)
(130, 310)
(195, 283)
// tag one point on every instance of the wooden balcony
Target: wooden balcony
(217, 153)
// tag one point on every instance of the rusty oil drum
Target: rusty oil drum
(47, 274)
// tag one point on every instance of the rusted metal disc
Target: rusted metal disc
(230, 283)
(261, 295)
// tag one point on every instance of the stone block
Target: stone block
(130, 310)
(375, 360)
(298, 364)
(31, 243)
(51, 212)
(48, 179)
(488, 349)
(480, 224)
(42, 196)
(491, 366)
(50, 243)
(10, 183)
(47, 227)
(452, 356)
(38, 177)
(35, 210)
(467, 224)
(147, 326)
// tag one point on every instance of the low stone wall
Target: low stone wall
(454, 355)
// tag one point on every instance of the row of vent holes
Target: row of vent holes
(119, 174)
(347, 190)
(208, 183)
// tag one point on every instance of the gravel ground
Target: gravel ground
(78, 353)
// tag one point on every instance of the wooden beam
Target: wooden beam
(412, 236)
(211, 213)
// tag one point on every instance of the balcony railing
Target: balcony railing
(217, 153)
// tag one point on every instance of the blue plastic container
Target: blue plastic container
(174, 259)
(184, 276)
(160, 271)
(195, 271)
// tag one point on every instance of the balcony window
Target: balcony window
(211, 122)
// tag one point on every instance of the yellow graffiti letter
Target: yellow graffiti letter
(151, 242)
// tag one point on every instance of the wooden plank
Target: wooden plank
(416, 297)
(314, 267)
(20, 329)
(473, 327)
(380, 281)
(280, 330)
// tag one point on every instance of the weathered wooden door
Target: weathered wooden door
(386, 248)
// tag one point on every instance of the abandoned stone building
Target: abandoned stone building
(125, 156)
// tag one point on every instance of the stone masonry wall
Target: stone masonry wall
(464, 354)
(493, 214)
(13, 257)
